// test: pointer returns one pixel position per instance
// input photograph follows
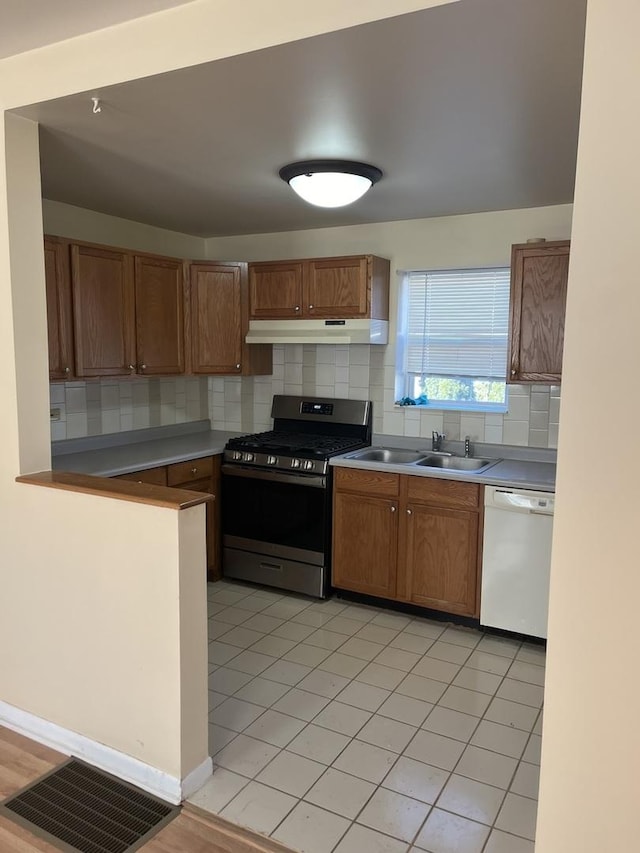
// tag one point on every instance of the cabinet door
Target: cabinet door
(159, 315)
(104, 313)
(538, 297)
(441, 553)
(275, 291)
(216, 318)
(337, 287)
(59, 313)
(365, 537)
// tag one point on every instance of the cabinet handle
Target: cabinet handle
(310, 306)
(194, 470)
(513, 371)
(297, 308)
(132, 367)
(409, 512)
(393, 509)
(67, 370)
(143, 367)
(237, 367)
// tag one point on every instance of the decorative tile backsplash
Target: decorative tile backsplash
(368, 372)
(96, 407)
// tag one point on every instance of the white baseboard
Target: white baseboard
(150, 779)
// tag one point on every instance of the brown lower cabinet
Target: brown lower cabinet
(198, 475)
(408, 538)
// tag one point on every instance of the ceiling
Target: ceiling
(27, 24)
(466, 107)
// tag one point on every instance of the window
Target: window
(452, 338)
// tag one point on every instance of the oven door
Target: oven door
(276, 513)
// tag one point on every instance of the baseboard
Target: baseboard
(150, 779)
(193, 781)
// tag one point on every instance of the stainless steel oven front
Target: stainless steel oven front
(277, 528)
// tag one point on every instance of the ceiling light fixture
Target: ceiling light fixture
(330, 183)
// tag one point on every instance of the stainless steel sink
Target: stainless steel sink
(390, 455)
(456, 463)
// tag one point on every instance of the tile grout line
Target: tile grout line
(384, 646)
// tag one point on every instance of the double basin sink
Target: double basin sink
(422, 458)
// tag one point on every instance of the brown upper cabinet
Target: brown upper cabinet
(218, 321)
(323, 288)
(159, 303)
(59, 312)
(112, 312)
(539, 273)
(104, 311)
(128, 312)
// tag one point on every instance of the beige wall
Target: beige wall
(591, 743)
(52, 673)
(90, 630)
(77, 223)
(476, 239)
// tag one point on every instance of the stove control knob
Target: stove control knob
(272, 460)
(236, 456)
(308, 465)
(248, 457)
(295, 463)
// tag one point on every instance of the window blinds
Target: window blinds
(458, 322)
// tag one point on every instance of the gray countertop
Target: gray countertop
(121, 453)
(514, 473)
(109, 461)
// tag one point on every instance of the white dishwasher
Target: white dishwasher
(516, 560)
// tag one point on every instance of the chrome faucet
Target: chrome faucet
(467, 446)
(436, 440)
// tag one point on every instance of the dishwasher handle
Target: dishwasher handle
(538, 503)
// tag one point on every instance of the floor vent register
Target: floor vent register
(79, 808)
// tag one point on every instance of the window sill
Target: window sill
(488, 408)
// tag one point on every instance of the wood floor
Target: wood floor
(193, 831)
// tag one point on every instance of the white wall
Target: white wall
(591, 741)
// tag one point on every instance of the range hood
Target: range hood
(318, 332)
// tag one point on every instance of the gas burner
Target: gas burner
(306, 434)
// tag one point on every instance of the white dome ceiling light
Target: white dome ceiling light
(330, 183)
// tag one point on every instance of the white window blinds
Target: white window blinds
(457, 323)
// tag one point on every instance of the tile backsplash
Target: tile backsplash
(368, 372)
(360, 372)
(96, 407)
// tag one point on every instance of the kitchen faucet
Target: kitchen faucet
(436, 440)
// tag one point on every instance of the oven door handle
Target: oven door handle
(315, 482)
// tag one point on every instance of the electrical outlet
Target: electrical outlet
(54, 414)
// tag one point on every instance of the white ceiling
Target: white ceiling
(465, 107)
(27, 24)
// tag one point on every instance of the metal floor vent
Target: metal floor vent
(76, 807)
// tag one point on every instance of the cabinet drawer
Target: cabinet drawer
(154, 476)
(445, 493)
(370, 482)
(182, 473)
(197, 486)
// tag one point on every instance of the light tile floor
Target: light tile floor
(339, 727)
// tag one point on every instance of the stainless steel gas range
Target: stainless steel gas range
(276, 492)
